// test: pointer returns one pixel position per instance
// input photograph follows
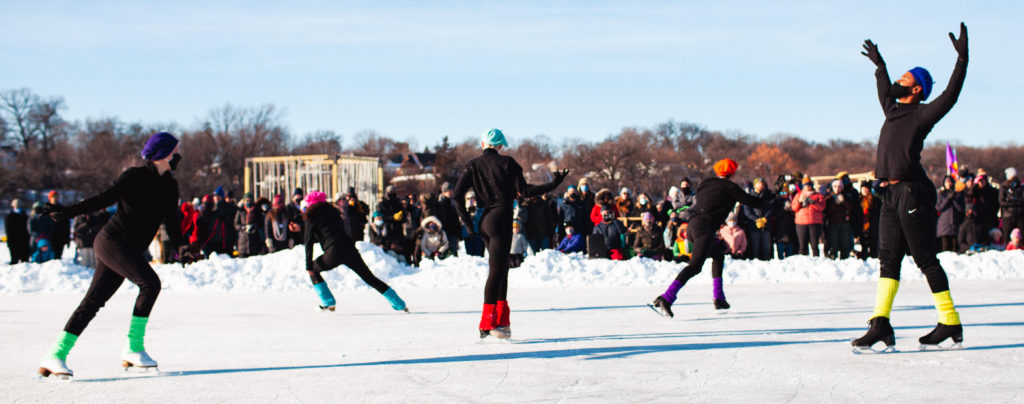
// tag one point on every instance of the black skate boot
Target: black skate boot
(939, 334)
(661, 306)
(721, 304)
(879, 330)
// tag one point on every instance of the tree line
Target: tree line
(42, 150)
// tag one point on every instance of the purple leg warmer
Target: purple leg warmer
(719, 292)
(670, 293)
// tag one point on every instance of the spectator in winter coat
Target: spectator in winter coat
(61, 235)
(572, 211)
(572, 242)
(296, 225)
(783, 225)
(519, 246)
(613, 233)
(16, 223)
(644, 204)
(40, 226)
(985, 204)
(275, 226)
(449, 217)
(537, 229)
(950, 206)
(838, 212)
(871, 207)
(249, 224)
(995, 242)
(680, 246)
(649, 241)
(588, 200)
(220, 216)
(1011, 201)
(971, 236)
(356, 214)
(43, 252)
(662, 213)
(381, 236)
(603, 201)
(1015, 242)
(734, 237)
(624, 203)
(193, 225)
(808, 210)
(87, 226)
(688, 193)
(757, 223)
(434, 242)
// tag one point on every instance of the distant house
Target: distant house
(410, 167)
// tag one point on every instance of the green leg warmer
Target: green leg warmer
(136, 334)
(63, 345)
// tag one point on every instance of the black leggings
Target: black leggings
(496, 230)
(115, 261)
(808, 234)
(949, 243)
(907, 222)
(705, 245)
(345, 253)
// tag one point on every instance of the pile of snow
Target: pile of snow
(284, 271)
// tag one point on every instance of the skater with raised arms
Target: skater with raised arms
(496, 181)
(716, 198)
(146, 196)
(908, 217)
(324, 225)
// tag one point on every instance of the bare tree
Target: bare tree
(320, 142)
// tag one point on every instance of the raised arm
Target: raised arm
(105, 198)
(881, 74)
(935, 110)
(527, 191)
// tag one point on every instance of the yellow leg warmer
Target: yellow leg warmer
(944, 305)
(884, 296)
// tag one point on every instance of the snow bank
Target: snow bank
(284, 271)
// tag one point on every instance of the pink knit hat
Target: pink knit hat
(315, 197)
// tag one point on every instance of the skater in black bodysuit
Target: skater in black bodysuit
(496, 181)
(146, 196)
(716, 197)
(908, 218)
(324, 225)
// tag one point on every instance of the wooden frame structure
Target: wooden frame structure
(267, 176)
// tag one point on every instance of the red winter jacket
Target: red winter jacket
(811, 214)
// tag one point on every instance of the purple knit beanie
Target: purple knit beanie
(160, 145)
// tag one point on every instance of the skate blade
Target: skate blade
(323, 309)
(658, 310)
(406, 310)
(46, 375)
(929, 347)
(130, 368)
(870, 350)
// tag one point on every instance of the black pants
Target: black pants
(705, 245)
(496, 230)
(907, 222)
(116, 260)
(808, 234)
(345, 253)
(869, 246)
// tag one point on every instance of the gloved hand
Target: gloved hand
(560, 175)
(840, 198)
(960, 44)
(270, 244)
(398, 216)
(56, 213)
(871, 51)
(805, 202)
(761, 222)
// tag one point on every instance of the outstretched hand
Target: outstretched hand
(871, 52)
(960, 44)
(560, 175)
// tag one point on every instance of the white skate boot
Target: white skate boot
(55, 368)
(139, 361)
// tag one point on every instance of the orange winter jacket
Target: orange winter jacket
(814, 213)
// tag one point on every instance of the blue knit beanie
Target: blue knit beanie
(219, 191)
(923, 79)
(494, 137)
(160, 145)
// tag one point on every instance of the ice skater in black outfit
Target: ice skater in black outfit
(908, 217)
(146, 196)
(716, 197)
(496, 181)
(324, 225)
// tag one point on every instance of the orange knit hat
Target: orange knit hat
(725, 167)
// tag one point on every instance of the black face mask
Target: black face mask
(174, 161)
(897, 90)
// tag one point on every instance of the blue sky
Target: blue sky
(566, 70)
